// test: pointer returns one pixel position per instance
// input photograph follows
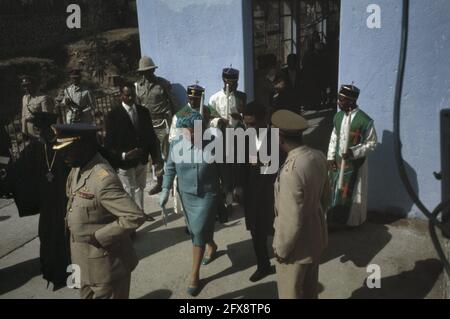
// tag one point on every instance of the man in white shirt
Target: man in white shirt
(229, 102)
(130, 138)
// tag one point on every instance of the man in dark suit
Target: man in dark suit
(130, 138)
(258, 192)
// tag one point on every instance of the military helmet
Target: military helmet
(146, 64)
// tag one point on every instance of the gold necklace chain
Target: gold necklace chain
(49, 166)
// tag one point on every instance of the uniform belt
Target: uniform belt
(80, 239)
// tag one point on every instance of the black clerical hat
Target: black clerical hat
(195, 90)
(349, 91)
(230, 74)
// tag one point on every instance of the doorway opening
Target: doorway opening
(296, 53)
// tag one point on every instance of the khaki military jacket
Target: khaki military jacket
(99, 206)
(301, 193)
(158, 98)
(31, 104)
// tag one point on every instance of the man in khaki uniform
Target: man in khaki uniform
(79, 100)
(155, 93)
(301, 193)
(100, 216)
(33, 102)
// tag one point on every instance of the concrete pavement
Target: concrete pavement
(402, 249)
(15, 231)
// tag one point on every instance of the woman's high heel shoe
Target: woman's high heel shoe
(194, 290)
(208, 259)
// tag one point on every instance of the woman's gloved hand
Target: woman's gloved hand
(163, 197)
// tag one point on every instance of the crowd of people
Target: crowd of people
(90, 197)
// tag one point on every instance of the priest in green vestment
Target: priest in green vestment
(352, 139)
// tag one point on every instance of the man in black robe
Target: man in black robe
(36, 181)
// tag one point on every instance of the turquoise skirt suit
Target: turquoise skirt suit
(199, 186)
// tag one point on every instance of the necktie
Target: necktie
(132, 113)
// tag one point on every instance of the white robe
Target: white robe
(358, 211)
(219, 102)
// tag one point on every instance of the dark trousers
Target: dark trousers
(260, 246)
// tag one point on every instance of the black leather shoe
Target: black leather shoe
(260, 274)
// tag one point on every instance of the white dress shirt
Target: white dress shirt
(219, 102)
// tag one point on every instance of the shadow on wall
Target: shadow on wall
(412, 284)
(385, 185)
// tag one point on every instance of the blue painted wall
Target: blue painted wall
(369, 57)
(193, 40)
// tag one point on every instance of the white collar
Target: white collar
(225, 93)
(353, 112)
(128, 108)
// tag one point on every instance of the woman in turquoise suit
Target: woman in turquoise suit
(199, 186)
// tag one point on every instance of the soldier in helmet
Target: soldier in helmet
(155, 93)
